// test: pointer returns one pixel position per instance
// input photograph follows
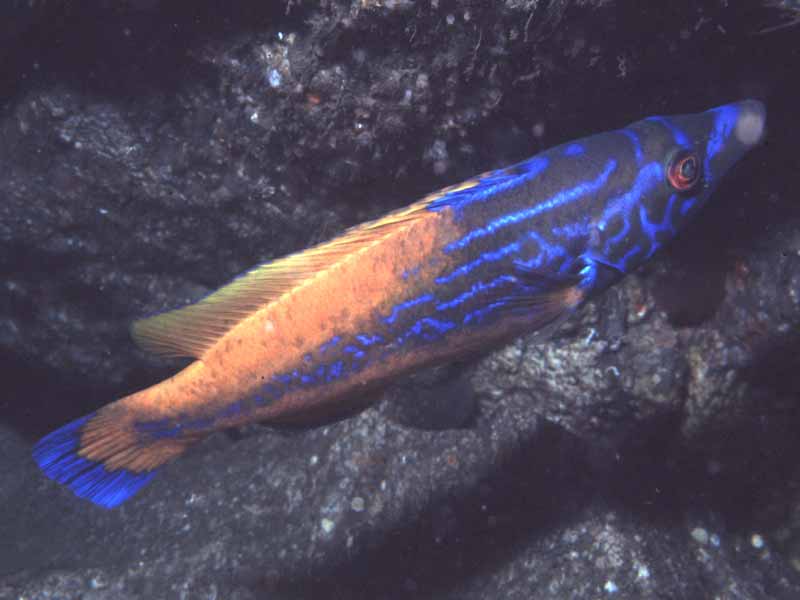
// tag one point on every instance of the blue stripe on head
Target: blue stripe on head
(652, 228)
(619, 236)
(574, 150)
(725, 118)
(677, 133)
(57, 455)
(687, 205)
(561, 198)
(648, 176)
(492, 184)
(637, 144)
(628, 255)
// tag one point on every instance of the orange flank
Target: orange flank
(360, 282)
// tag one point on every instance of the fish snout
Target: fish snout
(751, 123)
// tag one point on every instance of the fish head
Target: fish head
(668, 172)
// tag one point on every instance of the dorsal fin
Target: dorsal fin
(192, 330)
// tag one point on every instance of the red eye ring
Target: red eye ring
(683, 171)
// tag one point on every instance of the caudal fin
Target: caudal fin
(106, 460)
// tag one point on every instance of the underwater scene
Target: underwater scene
(388, 299)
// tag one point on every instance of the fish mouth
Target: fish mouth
(751, 123)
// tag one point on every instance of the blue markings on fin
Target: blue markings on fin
(491, 184)
(561, 198)
(539, 297)
(476, 316)
(57, 455)
(107, 488)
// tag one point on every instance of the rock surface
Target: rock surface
(150, 154)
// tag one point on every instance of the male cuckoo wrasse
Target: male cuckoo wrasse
(307, 338)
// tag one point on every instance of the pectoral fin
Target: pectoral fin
(543, 299)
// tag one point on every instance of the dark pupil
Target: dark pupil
(689, 169)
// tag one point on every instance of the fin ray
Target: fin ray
(547, 299)
(191, 330)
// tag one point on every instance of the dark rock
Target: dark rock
(151, 153)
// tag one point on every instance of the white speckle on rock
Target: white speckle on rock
(274, 78)
(357, 504)
(700, 535)
(757, 541)
(611, 587)
(327, 525)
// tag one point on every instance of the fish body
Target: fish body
(306, 338)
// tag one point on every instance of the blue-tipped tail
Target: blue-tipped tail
(57, 455)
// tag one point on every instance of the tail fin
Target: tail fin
(106, 460)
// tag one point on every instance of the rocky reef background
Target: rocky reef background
(151, 152)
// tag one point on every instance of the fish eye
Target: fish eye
(683, 171)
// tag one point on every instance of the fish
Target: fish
(312, 337)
